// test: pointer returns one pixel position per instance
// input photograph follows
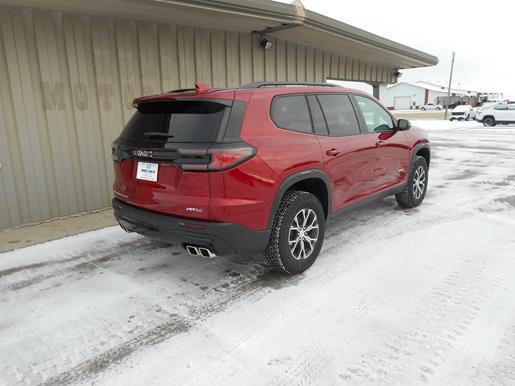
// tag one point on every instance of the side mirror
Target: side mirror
(403, 124)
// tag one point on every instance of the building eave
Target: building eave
(311, 28)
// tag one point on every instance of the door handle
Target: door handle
(332, 152)
(380, 143)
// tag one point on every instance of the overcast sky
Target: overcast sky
(481, 33)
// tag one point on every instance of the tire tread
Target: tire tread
(272, 253)
(405, 199)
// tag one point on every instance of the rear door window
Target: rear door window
(176, 121)
(339, 114)
(291, 112)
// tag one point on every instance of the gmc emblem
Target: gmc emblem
(142, 153)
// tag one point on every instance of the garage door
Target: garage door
(402, 103)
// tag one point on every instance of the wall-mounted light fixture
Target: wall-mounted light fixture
(266, 43)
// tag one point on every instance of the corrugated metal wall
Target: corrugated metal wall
(67, 82)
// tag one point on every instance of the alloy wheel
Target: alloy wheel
(419, 182)
(303, 234)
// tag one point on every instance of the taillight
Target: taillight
(222, 158)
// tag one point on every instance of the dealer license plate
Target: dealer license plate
(147, 171)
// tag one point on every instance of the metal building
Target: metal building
(70, 69)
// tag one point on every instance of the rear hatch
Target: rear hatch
(162, 155)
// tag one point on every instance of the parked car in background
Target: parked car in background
(261, 167)
(484, 107)
(462, 113)
(431, 106)
(497, 114)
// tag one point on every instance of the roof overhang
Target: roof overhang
(305, 27)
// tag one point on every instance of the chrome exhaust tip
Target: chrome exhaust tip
(193, 251)
(199, 251)
(206, 252)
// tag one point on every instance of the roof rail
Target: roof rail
(285, 84)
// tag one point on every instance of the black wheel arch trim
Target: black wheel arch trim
(289, 181)
(416, 149)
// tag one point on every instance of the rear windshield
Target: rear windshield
(177, 121)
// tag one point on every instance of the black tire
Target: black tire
(438, 108)
(489, 121)
(423, 108)
(408, 198)
(278, 254)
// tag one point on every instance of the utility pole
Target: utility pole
(449, 89)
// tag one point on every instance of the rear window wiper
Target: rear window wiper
(156, 134)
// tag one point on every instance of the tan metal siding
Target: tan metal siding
(67, 82)
(291, 61)
(281, 60)
(301, 63)
(246, 71)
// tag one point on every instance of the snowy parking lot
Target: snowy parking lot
(396, 296)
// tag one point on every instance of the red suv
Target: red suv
(260, 168)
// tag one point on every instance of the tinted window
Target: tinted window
(339, 114)
(511, 107)
(291, 112)
(184, 121)
(376, 118)
(317, 116)
(501, 107)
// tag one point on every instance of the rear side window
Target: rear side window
(176, 121)
(291, 113)
(339, 114)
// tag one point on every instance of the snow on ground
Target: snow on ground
(396, 296)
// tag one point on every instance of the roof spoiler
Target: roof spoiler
(199, 88)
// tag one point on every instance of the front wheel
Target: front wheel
(297, 233)
(489, 121)
(416, 187)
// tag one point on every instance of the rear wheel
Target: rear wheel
(489, 121)
(297, 233)
(416, 188)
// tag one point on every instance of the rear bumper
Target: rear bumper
(222, 238)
